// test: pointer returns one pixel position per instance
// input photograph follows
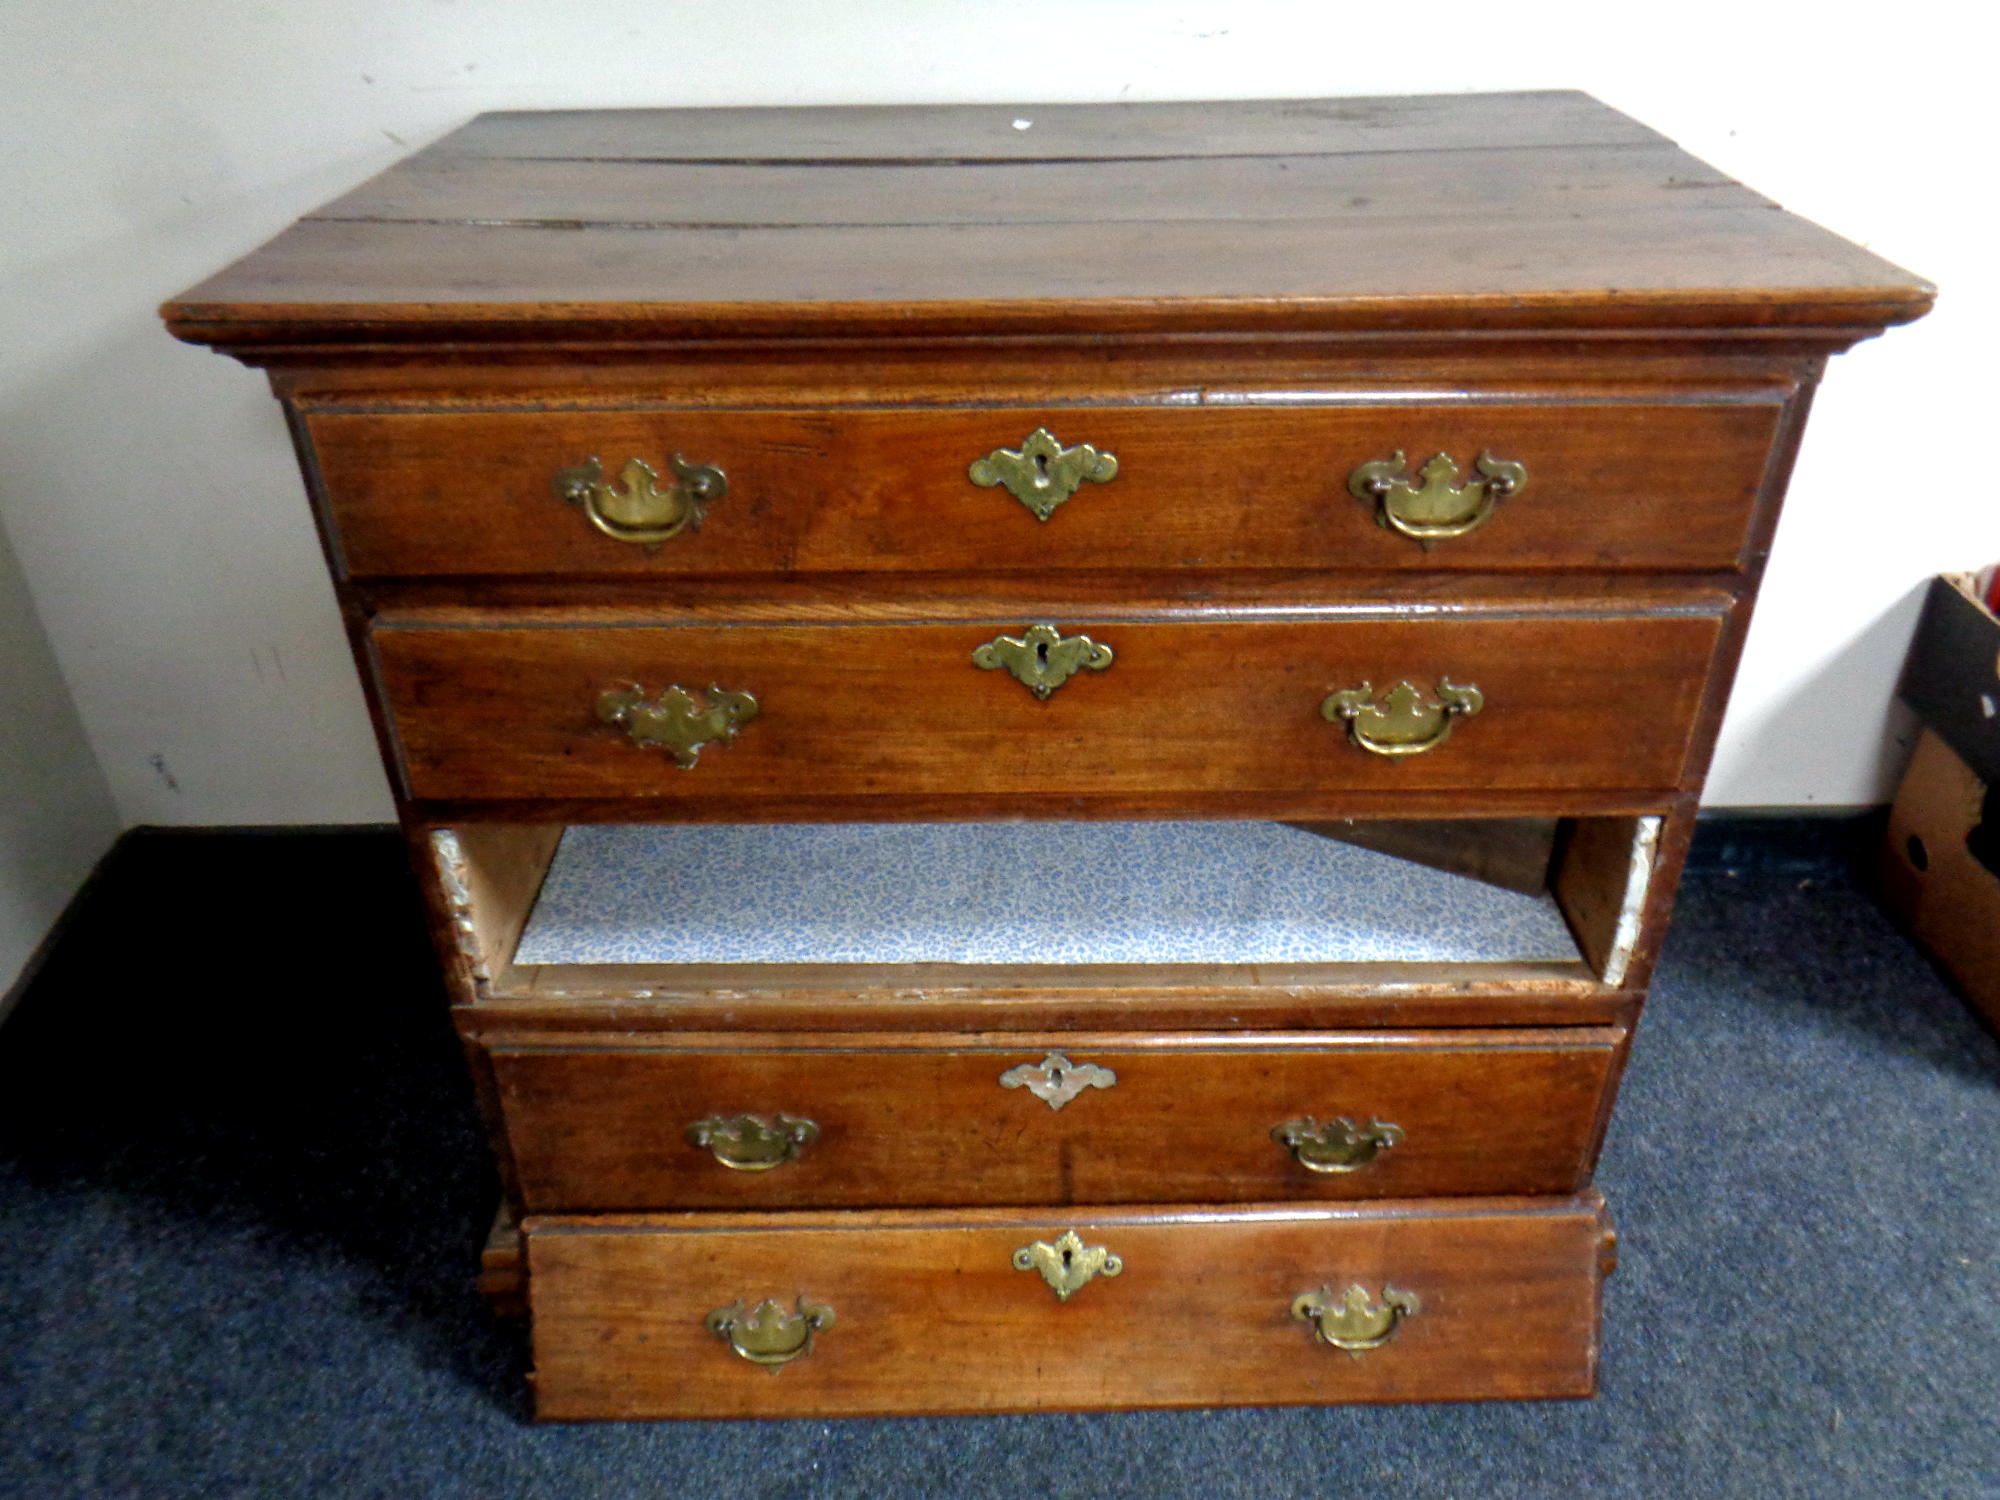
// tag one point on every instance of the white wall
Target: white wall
(149, 488)
(56, 817)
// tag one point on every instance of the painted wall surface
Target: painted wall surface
(150, 490)
(56, 814)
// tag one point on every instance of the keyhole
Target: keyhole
(1066, 1256)
(1042, 656)
(1055, 1074)
(1041, 468)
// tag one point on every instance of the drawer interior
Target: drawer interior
(1015, 893)
(806, 912)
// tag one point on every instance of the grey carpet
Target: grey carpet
(240, 1203)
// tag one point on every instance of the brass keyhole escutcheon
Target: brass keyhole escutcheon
(1042, 658)
(1067, 1264)
(1041, 473)
(1055, 1080)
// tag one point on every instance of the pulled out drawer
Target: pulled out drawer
(701, 1122)
(1626, 485)
(688, 1315)
(1355, 700)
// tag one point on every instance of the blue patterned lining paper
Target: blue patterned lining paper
(1014, 893)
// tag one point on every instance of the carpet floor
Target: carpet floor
(241, 1199)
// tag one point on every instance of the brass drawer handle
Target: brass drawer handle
(1350, 1321)
(643, 512)
(1055, 1080)
(1068, 1264)
(675, 721)
(1440, 507)
(1403, 723)
(751, 1143)
(1338, 1145)
(1042, 658)
(1041, 473)
(767, 1335)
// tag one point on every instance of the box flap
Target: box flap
(1952, 677)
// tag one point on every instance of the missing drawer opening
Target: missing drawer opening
(1015, 893)
(651, 912)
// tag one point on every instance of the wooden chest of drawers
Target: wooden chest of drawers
(1398, 469)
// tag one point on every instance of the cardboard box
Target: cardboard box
(1939, 868)
(1952, 675)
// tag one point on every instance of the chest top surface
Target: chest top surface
(1481, 211)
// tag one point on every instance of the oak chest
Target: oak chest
(1127, 686)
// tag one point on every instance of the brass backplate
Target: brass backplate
(1067, 1264)
(1338, 1145)
(639, 509)
(752, 1143)
(1405, 722)
(675, 721)
(1440, 508)
(1042, 658)
(1352, 1320)
(1055, 1080)
(1041, 473)
(767, 1334)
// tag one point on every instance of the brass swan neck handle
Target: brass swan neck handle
(1439, 508)
(767, 1334)
(639, 509)
(1404, 722)
(1352, 1320)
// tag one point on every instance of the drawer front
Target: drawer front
(595, 1128)
(1566, 702)
(932, 1312)
(1613, 485)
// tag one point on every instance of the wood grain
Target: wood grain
(1590, 879)
(503, 1267)
(1610, 486)
(1512, 853)
(582, 194)
(1716, 267)
(596, 1122)
(1467, 212)
(931, 998)
(1569, 703)
(931, 1315)
(494, 870)
(1058, 132)
(555, 364)
(1196, 595)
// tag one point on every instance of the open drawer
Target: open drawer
(713, 1315)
